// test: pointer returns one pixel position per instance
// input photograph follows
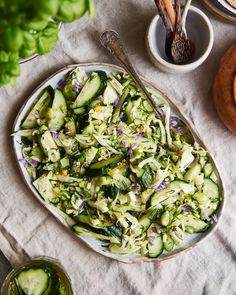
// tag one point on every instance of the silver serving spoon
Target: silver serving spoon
(169, 32)
(112, 42)
(182, 49)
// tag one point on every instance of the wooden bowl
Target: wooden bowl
(224, 89)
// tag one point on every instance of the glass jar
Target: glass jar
(9, 287)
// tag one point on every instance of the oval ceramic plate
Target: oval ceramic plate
(230, 5)
(216, 7)
(97, 245)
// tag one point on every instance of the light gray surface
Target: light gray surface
(28, 230)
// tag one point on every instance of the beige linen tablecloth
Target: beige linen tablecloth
(28, 230)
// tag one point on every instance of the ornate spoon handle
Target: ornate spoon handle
(112, 42)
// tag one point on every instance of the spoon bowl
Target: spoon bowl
(182, 48)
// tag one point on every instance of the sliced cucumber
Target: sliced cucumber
(170, 194)
(206, 205)
(168, 243)
(208, 168)
(49, 146)
(170, 191)
(192, 172)
(200, 197)
(165, 218)
(214, 177)
(37, 154)
(145, 221)
(177, 237)
(91, 89)
(44, 187)
(47, 141)
(116, 115)
(33, 281)
(193, 224)
(156, 247)
(210, 210)
(107, 163)
(59, 110)
(39, 109)
(210, 188)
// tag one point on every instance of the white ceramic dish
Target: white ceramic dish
(97, 245)
(199, 30)
(228, 6)
(219, 10)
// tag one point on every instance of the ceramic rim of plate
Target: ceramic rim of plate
(220, 11)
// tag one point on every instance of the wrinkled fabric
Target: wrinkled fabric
(27, 229)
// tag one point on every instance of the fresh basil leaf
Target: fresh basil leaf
(47, 39)
(9, 68)
(29, 45)
(49, 7)
(36, 23)
(71, 10)
(11, 38)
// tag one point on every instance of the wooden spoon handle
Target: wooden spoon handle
(171, 12)
(178, 26)
(162, 13)
(185, 12)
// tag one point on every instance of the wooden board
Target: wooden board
(224, 89)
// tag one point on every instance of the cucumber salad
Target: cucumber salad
(96, 151)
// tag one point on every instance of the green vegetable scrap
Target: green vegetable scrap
(31, 27)
(96, 151)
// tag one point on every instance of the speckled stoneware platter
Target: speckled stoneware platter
(96, 245)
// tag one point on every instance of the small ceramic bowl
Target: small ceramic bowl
(199, 30)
